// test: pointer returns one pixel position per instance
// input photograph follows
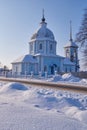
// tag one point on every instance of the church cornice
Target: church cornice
(42, 39)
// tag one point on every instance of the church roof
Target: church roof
(26, 58)
(71, 44)
(43, 31)
(50, 55)
(68, 62)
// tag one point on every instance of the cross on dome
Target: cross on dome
(71, 31)
(43, 18)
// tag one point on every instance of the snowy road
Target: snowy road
(59, 85)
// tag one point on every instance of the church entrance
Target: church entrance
(52, 69)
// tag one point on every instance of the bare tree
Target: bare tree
(84, 58)
(81, 37)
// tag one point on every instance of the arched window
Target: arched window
(72, 58)
(51, 47)
(45, 68)
(40, 46)
(16, 69)
(70, 70)
(67, 52)
(66, 69)
(58, 69)
(74, 53)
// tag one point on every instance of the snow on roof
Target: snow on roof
(71, 43)
(43, 32)
(68, 62)
(26, 58)
(51, 55)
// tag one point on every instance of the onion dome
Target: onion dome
(43, 31)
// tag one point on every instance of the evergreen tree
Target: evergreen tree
(81, 37)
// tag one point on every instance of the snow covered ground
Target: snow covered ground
(32, 108)
(68, 77)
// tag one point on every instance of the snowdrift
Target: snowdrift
(11, 87)
(68, 77)
(55, 78)
(34, 104)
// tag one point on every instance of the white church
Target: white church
(42, 57)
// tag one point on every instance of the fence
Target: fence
(80, 74)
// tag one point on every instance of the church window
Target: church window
(67, 53)
(40, 46)
(58, 69)
(51, 47)
(66, 69)
(70, 70)
(72, 58)
(45, 68)
(74, 53)
(16, 69)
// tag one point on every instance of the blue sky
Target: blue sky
(20, 18)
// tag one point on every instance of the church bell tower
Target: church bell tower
(71, 51)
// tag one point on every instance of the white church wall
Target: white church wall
(51, 62)
(69, 68)
(45, 47)
(27, 68)
(16, 69)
